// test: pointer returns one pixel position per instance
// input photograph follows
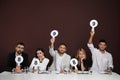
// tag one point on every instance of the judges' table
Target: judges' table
(53, 76)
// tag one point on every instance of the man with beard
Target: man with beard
(11, 64)
(61, 60)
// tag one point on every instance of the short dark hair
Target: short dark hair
(39, 49)
(63, 44)
(102, 40)
(20, 43)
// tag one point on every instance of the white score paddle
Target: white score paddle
(18, 60)
(74, 62)
(54, 33)
(93, 24)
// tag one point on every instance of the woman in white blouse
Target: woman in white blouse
(39, 61)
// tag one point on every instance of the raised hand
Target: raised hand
(52, 41)
(92, 33)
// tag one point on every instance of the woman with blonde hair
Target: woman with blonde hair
(82, 61)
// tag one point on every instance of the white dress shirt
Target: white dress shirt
(101, 61)
(42, 65)
(59, 62)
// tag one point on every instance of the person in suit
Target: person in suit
(11, 64)
(43, 61)
(82, 61)
(61, 60)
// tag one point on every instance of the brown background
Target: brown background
(32, 21)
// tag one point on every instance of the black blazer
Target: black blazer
(85, 63)
(12, 64)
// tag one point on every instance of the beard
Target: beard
(61, 52)
(19, 52)
(102, 49)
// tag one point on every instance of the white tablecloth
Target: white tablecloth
(53, 76)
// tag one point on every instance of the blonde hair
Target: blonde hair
(80, 50)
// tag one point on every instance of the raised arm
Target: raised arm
(51, 48)
(52, 41)
(90, 41)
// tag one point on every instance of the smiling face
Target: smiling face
(81, 54)
(62, 49)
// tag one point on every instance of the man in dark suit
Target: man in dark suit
(11, 64)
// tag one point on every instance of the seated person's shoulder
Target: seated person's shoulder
(85, 60)
(46, 59)
(25, 54)
(67, 55)
(11, 54)
(109, 54)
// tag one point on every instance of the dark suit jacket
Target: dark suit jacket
(85, 63)
(12, 64)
